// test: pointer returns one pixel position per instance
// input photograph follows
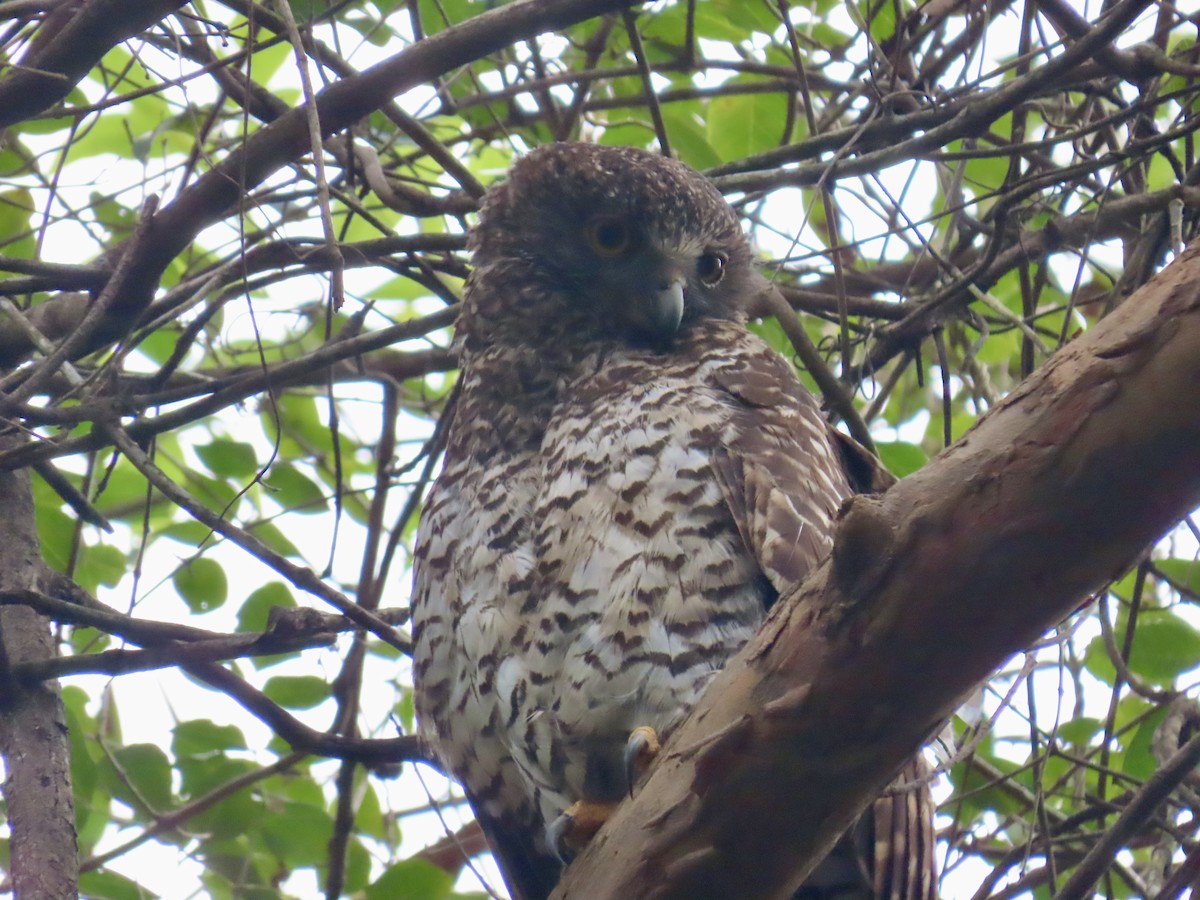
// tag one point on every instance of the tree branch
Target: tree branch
(63, 52)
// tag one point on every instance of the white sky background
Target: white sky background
(151, 703)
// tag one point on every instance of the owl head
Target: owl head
(627, 244)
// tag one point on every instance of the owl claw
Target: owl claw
(556, 836)
(570, 832)
(641, 748)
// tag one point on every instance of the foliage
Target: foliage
(945, 192)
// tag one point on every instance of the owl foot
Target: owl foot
(641, 748)
(570, 832)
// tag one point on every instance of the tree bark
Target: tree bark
(33, 727)
(1055, 492)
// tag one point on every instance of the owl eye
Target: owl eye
(609, 237)
(711, 268)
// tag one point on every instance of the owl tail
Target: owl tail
(889, 854)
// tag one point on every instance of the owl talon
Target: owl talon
(571, 831)
(556, 836)
(640, 750)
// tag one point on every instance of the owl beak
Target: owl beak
(652, 303)
(667, 309)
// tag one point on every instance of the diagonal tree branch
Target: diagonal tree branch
(70, 41)
(217, 193)
(930, 587)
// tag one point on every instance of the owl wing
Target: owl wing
(780, 472)
(783, 473)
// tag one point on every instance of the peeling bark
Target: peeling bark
(1054, 493)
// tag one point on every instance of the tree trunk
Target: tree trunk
(33, 727)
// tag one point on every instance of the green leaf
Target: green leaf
(358, 867)
(1096, 661)
(254, 612)
(405, 709)
(124, 489)
(149, 773)
(212, 491)
(231, 459)
(200, 737)
(1162, 174)
(711, 24)
(980, 793)
(1163, 647)
(89, 640)
(438, 14)
(102, 884)
(1124, 586)
(370, 27)
(117, 218)
(234, 874)
(16, 206)
(55, 528)
(901, 457)
(400, 288)
(158, 346)
(1079, 732)
(742, 124)
(100, 564)
(724, 20)
(412, 879)
(269, 59)
(189, 532)
(1183, 572)
(369, 816)
(880, 16)
(300, 790)
(689, 135)
(295, 491)
(271, 535)
(298, 416)
(1139, 761)
(202, 584)
(92, 799)
(297, 691)
(50, 125)
(299, 834)
(237, 813)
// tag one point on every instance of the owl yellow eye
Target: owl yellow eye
(609, 237)
(711, 268)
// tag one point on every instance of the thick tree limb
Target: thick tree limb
(930, 587)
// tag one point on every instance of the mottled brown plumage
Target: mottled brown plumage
(631, 478)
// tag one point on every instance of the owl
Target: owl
(631, 478)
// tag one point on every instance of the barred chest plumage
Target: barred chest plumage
(595, 580)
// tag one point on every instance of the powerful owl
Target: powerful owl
(631, 478)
